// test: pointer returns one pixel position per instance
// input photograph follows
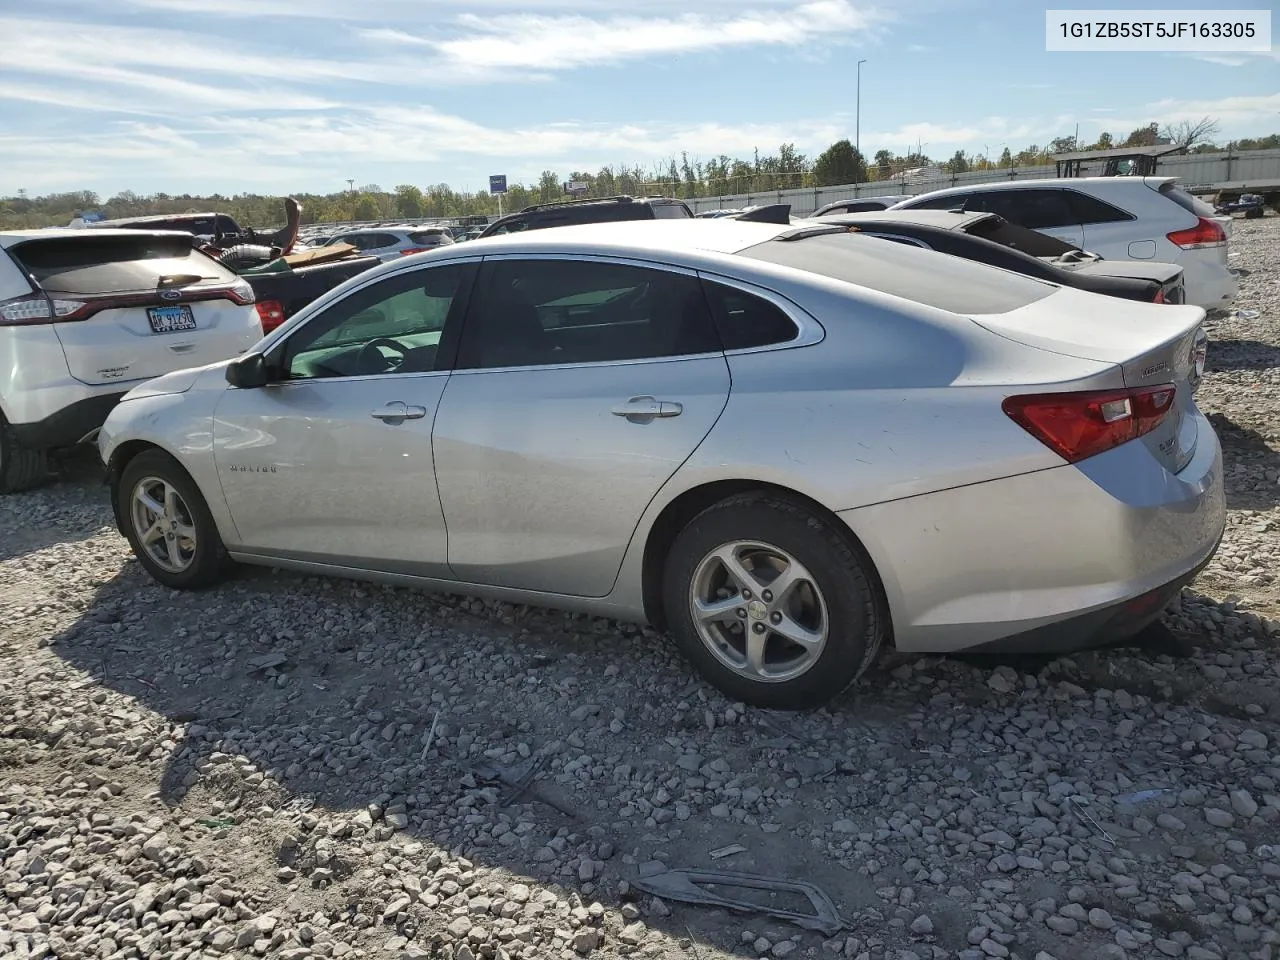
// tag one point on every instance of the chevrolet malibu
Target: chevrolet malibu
(786, 446)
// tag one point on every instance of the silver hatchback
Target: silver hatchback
(785, 445)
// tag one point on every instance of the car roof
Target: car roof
(943, 219)
(687, 235)
(157, 218)
(348, 233)
(1059, 183)
(10, 238)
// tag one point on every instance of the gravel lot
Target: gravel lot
(166, 793)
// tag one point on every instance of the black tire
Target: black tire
(856, 624)
(21, 467)
(209, 560)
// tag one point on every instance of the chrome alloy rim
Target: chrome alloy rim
(163, 524)
(759, 611)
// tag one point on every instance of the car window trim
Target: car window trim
(808, 330)
(450, 334)
(585, 258)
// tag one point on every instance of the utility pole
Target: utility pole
(351, 185)
(857, 115)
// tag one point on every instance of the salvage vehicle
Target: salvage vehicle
(858, 205)
(563, 213)
(785, 446)
(1121, 218)
(1252, 205)
(85, 315)
(989, 238)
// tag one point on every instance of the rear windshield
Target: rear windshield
(933, 279)
(97, 265)
(1031, 242)
(670, 211)
(1188, 202)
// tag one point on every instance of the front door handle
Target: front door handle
(397, 411)
(646, 409)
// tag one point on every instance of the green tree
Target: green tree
(409, 201)
(840, 163)
(959, 163)
(1143, 136)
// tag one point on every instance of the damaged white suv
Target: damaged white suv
(86, 315)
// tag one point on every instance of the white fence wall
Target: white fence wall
(1194, 170)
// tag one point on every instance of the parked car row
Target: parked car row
(586, 407)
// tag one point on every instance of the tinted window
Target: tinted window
(430, 237)
(1188, 202)
(511, 226)
(376, 241)
(1033, 209)
(536, 312)
(1087, 209)
(670, 211)
(105, 264)
(934, 279)
(745, 320)
(390, 327)
(950, 202)
(226, 225)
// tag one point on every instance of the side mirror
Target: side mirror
(248, 372)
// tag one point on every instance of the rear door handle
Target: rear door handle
(645, 409)
(398, 411)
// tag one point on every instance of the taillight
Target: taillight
(1205, 234)
(410, 250)
(1080, 425)
(28, 311)
(271, 313)
(1159, 297)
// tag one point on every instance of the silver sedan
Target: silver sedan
(786, 446)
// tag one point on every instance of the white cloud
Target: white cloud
(1226, 110)
(548, 43)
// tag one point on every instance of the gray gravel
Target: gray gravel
(163, 795)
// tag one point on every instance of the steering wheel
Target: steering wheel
(371, 354)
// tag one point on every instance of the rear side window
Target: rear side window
(670, 211)
(950, 202)
(1033, 209)
(429, 236)
(100, 265)
(375, 241)
(1087, 209)
(745, 320)
(933, 279)
(1188, 202)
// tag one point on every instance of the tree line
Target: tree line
(684, 177)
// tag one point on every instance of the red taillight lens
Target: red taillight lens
(1159, 297)
(271, 313)
(410, 250)
(30, 311)
(1205, 234)
(1080, 425)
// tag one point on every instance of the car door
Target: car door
(1044, 210)
(582, 385)
(331, 462)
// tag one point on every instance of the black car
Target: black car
(858, 205)
(567, 213)
(989, 238)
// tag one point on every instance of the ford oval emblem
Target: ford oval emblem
(170, 294)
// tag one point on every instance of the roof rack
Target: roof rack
(621, 198)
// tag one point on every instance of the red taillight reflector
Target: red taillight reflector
(1080, 425)
(410, 250)
(271, 313)
(30, 311)
(1206, 233)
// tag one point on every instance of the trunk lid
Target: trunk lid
(1150, 343)
(150, 303)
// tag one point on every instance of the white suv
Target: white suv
(86, 315)
(1119, 218)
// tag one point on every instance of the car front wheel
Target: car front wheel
(771, 603)
(168, 523)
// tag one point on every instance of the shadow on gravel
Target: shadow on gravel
(1251, 466)
(1225, 355)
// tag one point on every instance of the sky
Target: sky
(231, 96)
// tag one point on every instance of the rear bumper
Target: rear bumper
(68, 426)
(1059, 559)
(1209, 283)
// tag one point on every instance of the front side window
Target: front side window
(389, 327)
(538, 312)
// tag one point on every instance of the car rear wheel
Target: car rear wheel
(168, 523)
(771, 603)
(21, 467)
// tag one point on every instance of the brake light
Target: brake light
(410, 250)
(1080, 425)
(271, 313)
(29, 311)
(1159, 297)
(1204, 235)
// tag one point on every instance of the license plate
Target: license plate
(171, 319)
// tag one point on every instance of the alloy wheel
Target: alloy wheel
(163, 524)
(759, 611)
